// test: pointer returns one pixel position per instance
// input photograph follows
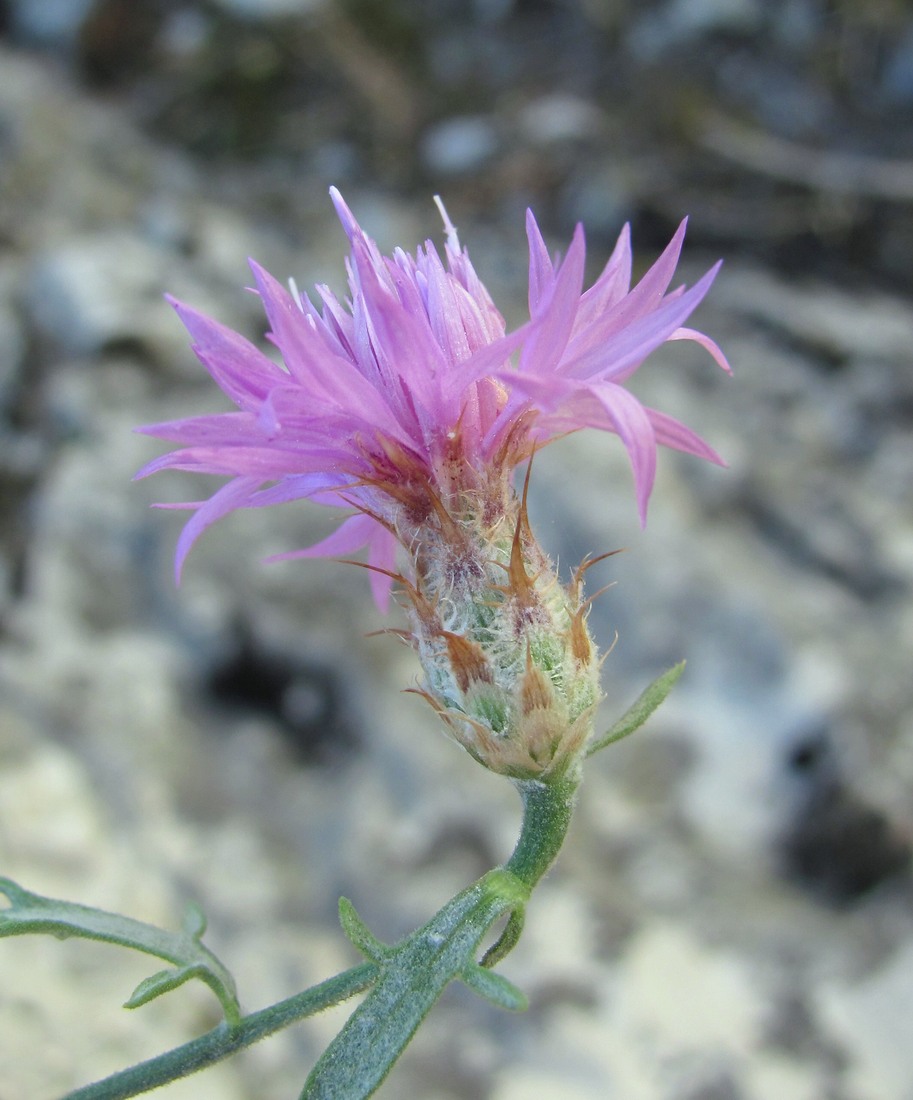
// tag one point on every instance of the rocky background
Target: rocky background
(732, 918)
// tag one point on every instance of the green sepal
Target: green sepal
(494, 988)
(635, 716)
(359, 935)
(30, 913)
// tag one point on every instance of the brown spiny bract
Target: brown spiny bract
(536, 692)
(509, 663)
(467, 659)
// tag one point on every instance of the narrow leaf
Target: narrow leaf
(495, 988)
(635, 716)
(507, 941)
(194, 922)
(162, 982)
(359, 934)
(30, 913)
(412, 976)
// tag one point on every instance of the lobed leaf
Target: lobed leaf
(30, 913)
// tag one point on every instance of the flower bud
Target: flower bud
(508, 660)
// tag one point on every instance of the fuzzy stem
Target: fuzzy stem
(547, 809)
(406, 984)
(222, 1042)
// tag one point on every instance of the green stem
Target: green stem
(413, 975)
(547, 809)
(222, 1042)
(30, 913)
(407, 979)
(415, 972)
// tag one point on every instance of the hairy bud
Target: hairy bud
(509, 663)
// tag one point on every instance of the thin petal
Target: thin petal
(264, 462)
(640, 302)
(241, 370)
(444, 311)
(541, 271)
(349, 224)
(300, 487)
(612, 285)
(351, 535)
(208, 430)
(485, 362)
(381, 555)
(327, 376)
(672, 433)
(402, 339)
(555, 319)
(617, 356)
(632, 424)
(569, 405)
(230, 497)
(709, 345)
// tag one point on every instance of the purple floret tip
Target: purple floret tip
(410, 396)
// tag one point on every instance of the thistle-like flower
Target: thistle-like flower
(411, 406)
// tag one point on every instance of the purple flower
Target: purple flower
(410, 396)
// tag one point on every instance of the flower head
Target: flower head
(410, 405)
(410, 400)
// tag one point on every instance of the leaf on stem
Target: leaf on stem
(494, 988)
(359, 935)
(508, 939)
(30, 913)
(413, 974)
(162, 982)
(635, 716)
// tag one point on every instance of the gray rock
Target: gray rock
(555, 119)
(459, 145)
(258, 10)
(12, 336)
(91, 294)
(54, 22)
(679, 21)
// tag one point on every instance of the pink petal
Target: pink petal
(382, 555)
(299, 487)
(672, 433)
(570, 405)
(486, 361)
(710, 345)
(555, 318)
(612, 285)
(631, 423)
(541, 271)
(218, 428)
(327, 376)
(230, 497)
(351, 535)
(640, 302)
(349, 224)
(265, 462)
(241, 370)
(617, 356)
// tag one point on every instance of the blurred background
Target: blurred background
(731, 917)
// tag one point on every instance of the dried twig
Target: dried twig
(820, 169)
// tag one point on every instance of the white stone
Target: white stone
(871, 1018)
